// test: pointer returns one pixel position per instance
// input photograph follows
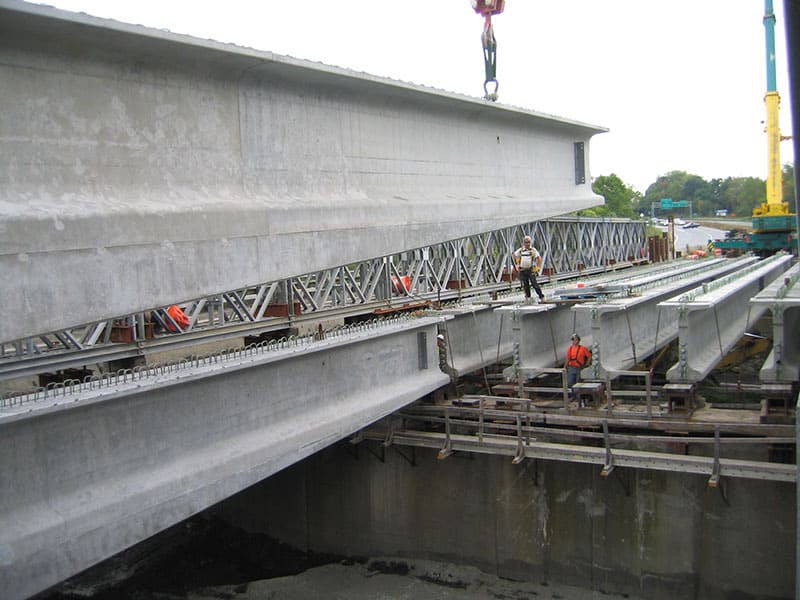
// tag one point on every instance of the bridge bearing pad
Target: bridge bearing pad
(777, 402)
(680, 397)
(590, 394)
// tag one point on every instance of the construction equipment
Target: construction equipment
(773, 225)
(487, 8)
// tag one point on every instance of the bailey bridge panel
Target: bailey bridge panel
(160, 168)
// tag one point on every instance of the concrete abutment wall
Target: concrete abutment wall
(651, 534)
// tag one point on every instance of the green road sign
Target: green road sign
(669, 203)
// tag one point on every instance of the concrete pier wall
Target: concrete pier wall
(652, 534)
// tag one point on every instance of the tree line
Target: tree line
(736, 195)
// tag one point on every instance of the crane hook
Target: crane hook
(487, 8)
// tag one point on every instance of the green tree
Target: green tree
(738, 195)
(671, 186)
(741, 195)
(620, 199)
(788, 185)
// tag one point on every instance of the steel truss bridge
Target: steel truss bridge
(474, 265)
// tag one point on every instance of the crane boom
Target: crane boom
(772, 99)
(773, 225)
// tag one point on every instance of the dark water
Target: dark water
(201, 552)
(206, 558)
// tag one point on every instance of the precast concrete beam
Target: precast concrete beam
(143, 168)
(476, 336)
(542, 331)
(782, 298)
(541, 335)
(91, 470)
(712, 318)
(630, 328)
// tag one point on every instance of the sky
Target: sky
(679, 84)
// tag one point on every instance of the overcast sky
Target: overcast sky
(679, 83)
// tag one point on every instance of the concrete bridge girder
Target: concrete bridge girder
(542, 335)
(782, 298)
(93, 470)
(161, 168)
(476, 336)
(618, 330)
(713, 318)
(626, 330)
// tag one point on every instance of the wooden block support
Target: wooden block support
(680, 397)
(589, 393)
(777, 402)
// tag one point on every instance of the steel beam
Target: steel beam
(782, 298)
(161, 168)
(91, 469)
(520, 448)
(712, 318)
(461, 268)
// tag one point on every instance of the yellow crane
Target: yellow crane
(773, 224)
(772, 216)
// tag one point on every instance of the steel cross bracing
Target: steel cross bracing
(445, 271)
(524, 432)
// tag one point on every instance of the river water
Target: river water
(204, 558)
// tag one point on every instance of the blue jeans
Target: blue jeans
(573, 377)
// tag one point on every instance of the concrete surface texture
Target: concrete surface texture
(86, 477)
(648, 534)
(146, 168)
(782, 298)
(715, 317)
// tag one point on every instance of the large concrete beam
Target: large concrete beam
(712, 318)
(614, 328)
(625, 330)
(476, 336)
(143, 168)
(782, 298)
(542, 334)
(85, 473)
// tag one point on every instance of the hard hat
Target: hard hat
(575, 336)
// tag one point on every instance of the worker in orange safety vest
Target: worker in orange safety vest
(578, 357)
